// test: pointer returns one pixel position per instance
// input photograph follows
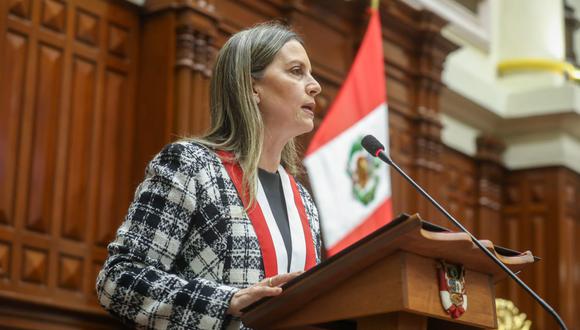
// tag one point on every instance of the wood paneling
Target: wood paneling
(414, 55)
(12, 92)
(67, 119)
(569, 247)
(40, 154)
(460, 189)
(75, 204)
(110, 209)
(537, 220)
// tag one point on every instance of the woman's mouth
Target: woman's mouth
(309, 108)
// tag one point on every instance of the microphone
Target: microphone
(375, 148)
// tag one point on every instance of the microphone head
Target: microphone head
(372, 145)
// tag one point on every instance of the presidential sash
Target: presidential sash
(274, 253)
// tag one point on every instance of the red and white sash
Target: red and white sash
(274, 253)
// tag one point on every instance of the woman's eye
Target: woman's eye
(297, 71)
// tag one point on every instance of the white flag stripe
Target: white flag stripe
(298, 260)
(340, 212)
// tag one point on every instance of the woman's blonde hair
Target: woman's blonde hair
(236, 122)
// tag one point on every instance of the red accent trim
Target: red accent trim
(381, 216)
(452, 310)
(456, 312)
(461, 310)
(378, 152)
(255, 214)
(310, 254)
(363, 90)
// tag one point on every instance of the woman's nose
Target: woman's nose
(313, 88)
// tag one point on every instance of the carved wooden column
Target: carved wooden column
(400, 65)
(414, 53)
(177, 55)
(490, 182)
(433, 49)
(195, 52)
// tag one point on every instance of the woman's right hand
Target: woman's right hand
(266, 288)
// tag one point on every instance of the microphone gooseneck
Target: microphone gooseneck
(375, 148)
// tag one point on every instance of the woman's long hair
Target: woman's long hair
(236, 122)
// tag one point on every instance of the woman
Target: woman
(217, 223)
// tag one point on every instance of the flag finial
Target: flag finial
(375, 4)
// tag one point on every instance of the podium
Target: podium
(389, 280)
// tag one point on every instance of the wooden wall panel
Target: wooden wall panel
(34, 265)
(67, 123)
(567, 236)
(239, 14)
(490, 176)
(402, 150)
(459, 184)
(110, 209)
(155, 95)
(329, 44)
(39, 155)
(5, 260)
(76, 199)
(12, 94)
(539, 217)
(574, 283)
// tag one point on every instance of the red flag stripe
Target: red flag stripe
(362, 92)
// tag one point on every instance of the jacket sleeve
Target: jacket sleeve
(136, 283)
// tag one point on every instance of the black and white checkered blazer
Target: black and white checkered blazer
(186, 245)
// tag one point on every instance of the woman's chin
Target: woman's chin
(308, 127)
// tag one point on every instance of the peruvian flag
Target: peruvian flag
(351, 188)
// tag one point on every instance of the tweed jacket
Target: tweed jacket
(186, 245)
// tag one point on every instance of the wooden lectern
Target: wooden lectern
(389, 281)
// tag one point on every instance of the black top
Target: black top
(273, 189)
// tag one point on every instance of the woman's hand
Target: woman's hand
(266, 288)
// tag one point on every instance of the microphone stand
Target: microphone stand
(384, 157)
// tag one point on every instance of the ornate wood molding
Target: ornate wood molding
(490, 178)
(195, 40)
(414, 53)
(203, 6)
(489, 149)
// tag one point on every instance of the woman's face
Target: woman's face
(285, 94)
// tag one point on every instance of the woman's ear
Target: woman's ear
(255, 93)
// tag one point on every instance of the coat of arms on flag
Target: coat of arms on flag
(362, 169)
(352, 190)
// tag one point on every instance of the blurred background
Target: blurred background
(484, 111)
